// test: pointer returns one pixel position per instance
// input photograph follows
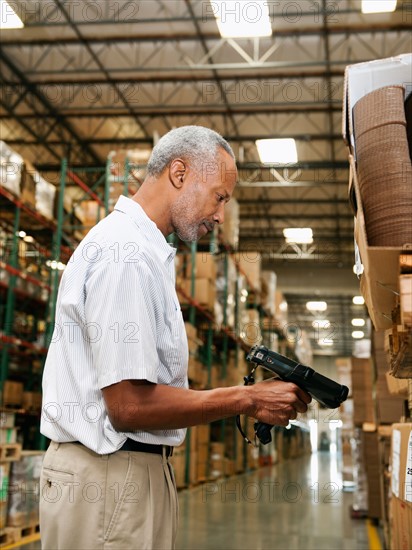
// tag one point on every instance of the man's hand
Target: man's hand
(276, 402)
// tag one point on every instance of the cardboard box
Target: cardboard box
(372, 468)
(362, 391)
(401, 487)
(32, 401)
(203, 434)
(380, 279)
(7, 419)
(363, 78)
(205, 292)
(11, 164)
(12, 393)
(396, 386)
(390, 409)
(230, 227)
(401, 484)
(250, 265)
(23, 506)
(405, 288)
(205, 266)
(8, 435)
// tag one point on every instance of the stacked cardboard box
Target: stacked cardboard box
(234, 446)
(405, 287)
(203, 443)
(230, 227)
(389, 407)
(23, 505)
(204, 272)
(12, 393)
(249, 329)
(373, 471)
(217, 460)
(226, 287)
(401, 487)
(11, 164)
(250, 265)
(362, 378)
(268, 292)
(4, 488)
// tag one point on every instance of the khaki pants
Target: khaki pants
(121, 500)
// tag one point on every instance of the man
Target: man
(115, 393)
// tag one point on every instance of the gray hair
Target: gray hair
(193, 143)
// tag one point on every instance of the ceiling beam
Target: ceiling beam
(25, 82)
(185, 37)
(149, 140)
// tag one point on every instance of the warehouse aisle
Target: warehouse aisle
(294, 505)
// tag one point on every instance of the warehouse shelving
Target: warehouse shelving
(56, 241)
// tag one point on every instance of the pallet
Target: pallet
(9, 452)
(16, 534)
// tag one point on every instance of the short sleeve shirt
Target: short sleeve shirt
(117, 318)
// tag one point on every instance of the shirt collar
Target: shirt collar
(149, 229)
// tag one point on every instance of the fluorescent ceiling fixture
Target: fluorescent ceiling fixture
(358, 322)
(358, 300)
(237, 19)
(283, 306)
(358, 334)
(8, 17)
(325, 342)
(378, 6)
(298, 235)
(277, 151)
(321, 323)
(316, 306)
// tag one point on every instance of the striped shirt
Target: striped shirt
(117, 318)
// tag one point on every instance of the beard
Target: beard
(183, 211)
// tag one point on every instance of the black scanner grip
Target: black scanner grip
(327, 392)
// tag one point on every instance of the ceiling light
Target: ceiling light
(325, 342)
(8, 17)
(358, 300)
(277, 151)
(358, 334)
(283, 306)
(358, 322)
(242, 19)
(321, 323)
(298, 235)
(316, 306)
(378, 6)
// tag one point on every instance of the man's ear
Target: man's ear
(177, 173)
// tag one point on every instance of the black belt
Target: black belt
(138, 446)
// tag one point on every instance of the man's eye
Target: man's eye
(220, 198)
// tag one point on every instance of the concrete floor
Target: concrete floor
(295, 505)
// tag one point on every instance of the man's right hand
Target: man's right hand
(276, 402)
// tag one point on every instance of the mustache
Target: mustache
(209, 225)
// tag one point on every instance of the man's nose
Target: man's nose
(219, 216)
